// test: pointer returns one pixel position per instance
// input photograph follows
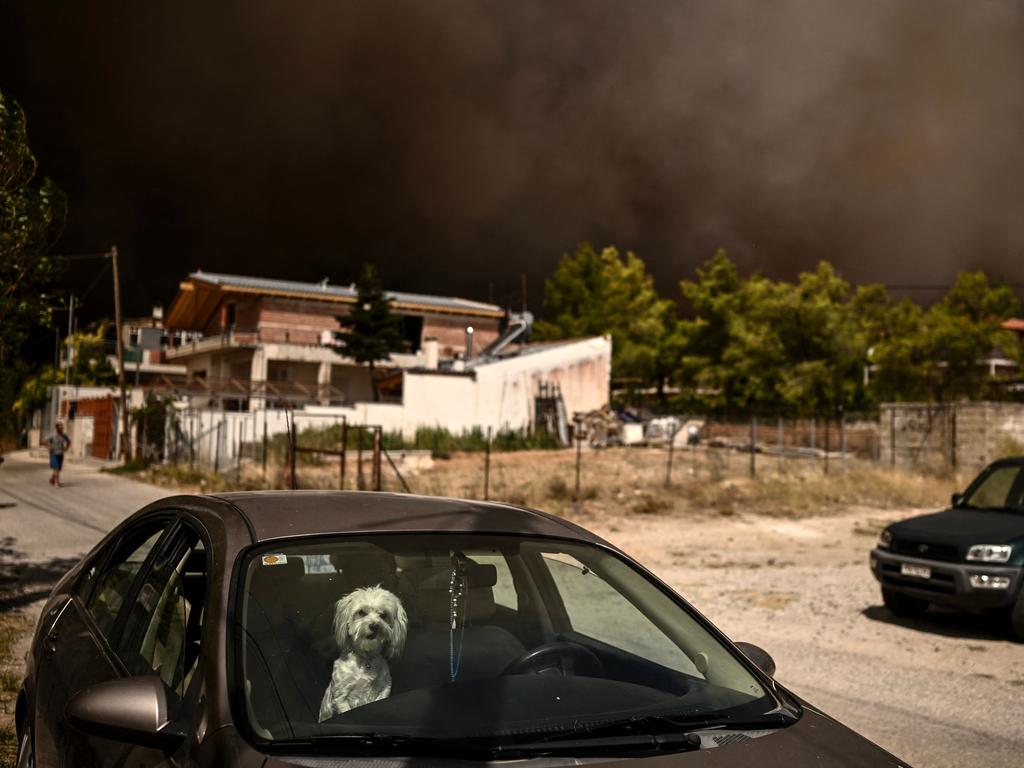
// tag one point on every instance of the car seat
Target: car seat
(481, 648)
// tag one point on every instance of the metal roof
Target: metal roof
(340, 291)
(282, 514)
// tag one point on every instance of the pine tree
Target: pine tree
(373, 330)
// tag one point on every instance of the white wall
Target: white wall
(498, 395)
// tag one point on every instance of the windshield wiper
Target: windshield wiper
(643, 743)
(637, 734)
(673, 725)
(359, 743)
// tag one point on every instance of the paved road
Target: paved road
(44, 530)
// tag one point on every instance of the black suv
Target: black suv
(970, 556)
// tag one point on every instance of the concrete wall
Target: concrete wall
(498, 394)
(967, 435)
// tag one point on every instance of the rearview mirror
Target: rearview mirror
(956, 499)
(133, 710)
(761, 658)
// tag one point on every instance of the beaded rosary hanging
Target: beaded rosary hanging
(458, 593)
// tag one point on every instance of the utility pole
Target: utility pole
(127, 447)
(71, 317)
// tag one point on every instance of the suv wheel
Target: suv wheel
(903, 605)
(1017, 616)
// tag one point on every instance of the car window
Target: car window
(162, 634)
(597, 610)
(111, 581)
(994, 489)
(453, 635)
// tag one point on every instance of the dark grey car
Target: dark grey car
(969, 557)
(208, 631)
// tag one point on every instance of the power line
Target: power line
(82, 256)
(95, 282)
(944, 287)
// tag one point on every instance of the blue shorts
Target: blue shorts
(56, 461)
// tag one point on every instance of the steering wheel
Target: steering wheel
(557, 658)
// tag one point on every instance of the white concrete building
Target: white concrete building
(499, 393)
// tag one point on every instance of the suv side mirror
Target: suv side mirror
(956, 499)
(133, 710)
(759, 656)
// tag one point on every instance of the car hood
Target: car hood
(963, 526)
(815, 740)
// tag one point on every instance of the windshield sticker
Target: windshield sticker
(275, 559)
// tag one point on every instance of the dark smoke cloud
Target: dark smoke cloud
(458, 144)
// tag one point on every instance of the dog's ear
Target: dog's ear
(342, 618)
(399, 627)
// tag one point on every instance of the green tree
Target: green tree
(89, 368)
(824, 344)
(896, 358)
(733, 357)
(32, 213)
(592, 294)
(936, 354)
(373, 331)
(961, 331)
(764, 346)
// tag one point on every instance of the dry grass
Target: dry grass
(626, 482)
(13, 626)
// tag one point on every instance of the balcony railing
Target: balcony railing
(273, 393)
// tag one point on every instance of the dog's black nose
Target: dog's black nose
(373, 626)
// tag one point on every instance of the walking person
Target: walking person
(59, 442)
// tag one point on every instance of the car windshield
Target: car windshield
(999, 487)
(493, 641)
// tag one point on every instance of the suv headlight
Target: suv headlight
(990, 553)
(885, 539)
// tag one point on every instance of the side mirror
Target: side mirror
(956, 499)
(133, 710)
(761, 658)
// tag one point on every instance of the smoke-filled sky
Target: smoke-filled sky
(459, 144)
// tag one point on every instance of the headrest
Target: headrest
(365, 568)
(435, 605)
(440, 576)
(433, 601)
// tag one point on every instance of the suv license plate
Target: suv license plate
(917, 571)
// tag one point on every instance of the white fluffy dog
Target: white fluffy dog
(370, 627)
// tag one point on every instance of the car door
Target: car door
(157, 633)
(76, 651)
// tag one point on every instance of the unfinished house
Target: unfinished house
(263, 351)
(273, 343)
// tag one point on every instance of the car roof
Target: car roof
(1008, 460)
(283, 514)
